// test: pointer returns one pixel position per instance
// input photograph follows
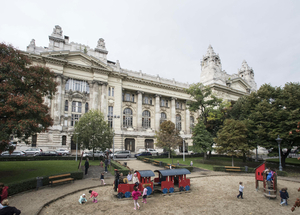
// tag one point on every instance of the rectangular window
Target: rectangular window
(79, 107)
(111, 91)
(110, 114)
(66, 105)
(75, 118)
(73, 106)
(86, 107)
(132, 98)
(64, 140)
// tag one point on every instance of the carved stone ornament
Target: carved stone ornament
(163, 109)
(101, 44)
(32, 43)
(57, 31)
(111, 102)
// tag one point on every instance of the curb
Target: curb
(60, 197)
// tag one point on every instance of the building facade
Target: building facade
(134, 103)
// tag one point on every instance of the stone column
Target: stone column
(58, 97)
(139, 110)
(104, 99)
(173, 110)
(187, 120)
(64, 81)
(157, 112)
(95, 95)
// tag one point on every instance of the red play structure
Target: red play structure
(261, 175)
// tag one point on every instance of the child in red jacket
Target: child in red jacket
(94, 195)
(135, 196)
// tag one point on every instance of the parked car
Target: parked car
(152, 151)
(121, 154)
(97, 153)
(63, 151)
(14, 153)
(143, 154)
(49, 153)
(164, 154)
(87, 154)
(33, 151)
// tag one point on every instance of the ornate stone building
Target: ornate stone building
(138, 102)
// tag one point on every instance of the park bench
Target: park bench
(232, 169)
(156, 163)
(168, 167)
(147, 160)
(60, 178)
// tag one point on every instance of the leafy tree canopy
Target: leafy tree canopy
(93, 131)
(23, 88)
(168, 136)
(232, 139)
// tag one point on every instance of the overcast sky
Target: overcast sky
(169, 37)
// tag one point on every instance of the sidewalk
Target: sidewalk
(31, 202)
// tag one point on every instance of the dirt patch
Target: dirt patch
(209, 195)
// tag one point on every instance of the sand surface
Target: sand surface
(209, 195)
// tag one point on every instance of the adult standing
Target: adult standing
(8, 210)
(86, 165)
(106, 164)
(117, 176)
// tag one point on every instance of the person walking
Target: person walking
(135, 196)
(86, 165)
(117, 175)
(241, 188)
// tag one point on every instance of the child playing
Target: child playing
(94, 195)
(145, 194)
(241, 188)
(101, 164)
(82, 199)
(135, 196)
(135, 179)
(283, 196)
(191, 164)
(102, 178)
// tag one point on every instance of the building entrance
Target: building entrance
(149, 144)
(130, 144)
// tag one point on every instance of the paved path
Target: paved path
(31, 202)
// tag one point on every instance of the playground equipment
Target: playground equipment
(171, 180)
(261, 175)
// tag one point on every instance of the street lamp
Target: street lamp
(183, 143)
(76, 144)
(112, 117)
(279, 141)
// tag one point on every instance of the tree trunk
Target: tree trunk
(205, 155)
(169, 152)
(232, 163)
(209, 155)
(244, 157)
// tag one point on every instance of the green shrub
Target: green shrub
(282, 173)
(219, 168)
(30, 184)
(122, 169)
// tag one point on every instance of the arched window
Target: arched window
(191, 124)
(163, 117)
(64, 140)
(146, 119)
(127, 118)
(178, 122)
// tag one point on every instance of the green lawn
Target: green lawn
(287, 161)
(14, 171)
(196, 162)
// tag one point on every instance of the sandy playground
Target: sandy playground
(209, 195)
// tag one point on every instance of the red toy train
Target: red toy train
(170, 180)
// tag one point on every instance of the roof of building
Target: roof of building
(169, 172)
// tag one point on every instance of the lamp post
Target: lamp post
(112, 118)
(76, 144)
(279, 141)
(183, 144)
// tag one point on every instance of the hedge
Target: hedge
(34, 158)
(120, 167)
(30, 184)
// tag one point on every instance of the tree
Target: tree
(23, 88)
(93, 131)
(202, 139)
(231, 139)
(273, 111)
(211, 109)
(168, 136)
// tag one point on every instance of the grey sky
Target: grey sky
(169, 37)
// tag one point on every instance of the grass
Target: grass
(15, 171)
(287, 161)
(196, 162)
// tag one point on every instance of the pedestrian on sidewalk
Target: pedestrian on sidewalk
(241, 188)
(106, 163)
(145, 194)
(86, 165)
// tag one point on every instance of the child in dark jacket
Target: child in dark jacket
(283, 196)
